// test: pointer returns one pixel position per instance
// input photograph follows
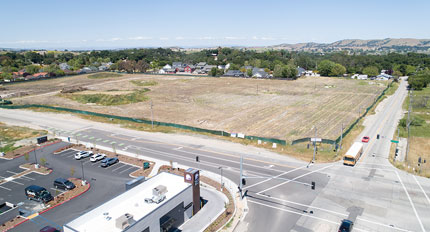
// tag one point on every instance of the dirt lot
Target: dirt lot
(270, 108)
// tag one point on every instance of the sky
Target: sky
(100, 24)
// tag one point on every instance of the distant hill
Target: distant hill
(394, 45)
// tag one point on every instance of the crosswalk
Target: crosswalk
(81, 135)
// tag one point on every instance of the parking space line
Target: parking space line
(121, 144)
(84, 136)
(119, 167)
(86, 162)
(105, 141)
(16, 182)
(67, 153)
(99, 139)
(126, 169)
(113, 142)
(5, 188)
(78, 134)
(109, 167)
(91, 138)
(59, 190)
(26, 178)
(70, 155)
(12, 172)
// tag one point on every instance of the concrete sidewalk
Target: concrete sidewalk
(213, 208)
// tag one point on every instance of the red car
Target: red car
(365, 139)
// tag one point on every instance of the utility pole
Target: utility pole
(152, 116)
(34, 151)
(241, 175)
(409, 123)
(82, 166)
(315, 144)
(397, 144)
(220, 168)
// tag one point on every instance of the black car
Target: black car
(64, 184)
(37, 193)
(346, 226)
(108, 162)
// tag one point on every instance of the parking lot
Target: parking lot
(105, 183)
(119, 169)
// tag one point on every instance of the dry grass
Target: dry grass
(9, 134)
(281, 109)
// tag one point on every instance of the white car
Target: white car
(83, 154)
(97, 157)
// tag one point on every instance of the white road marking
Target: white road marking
(121, 144)
(126, 169)
(178, 148)
(86, 162)
(119, 168)
(301, 214)
(330, 211)
(410, 201)
(105, 141)
(286, 182)
(59, 190)
(419, 185)
(16, 182)
(24, 177)
(12, 172)
(274, 177)
(5, 188)
(99, 139)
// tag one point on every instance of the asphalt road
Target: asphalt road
(376, 196)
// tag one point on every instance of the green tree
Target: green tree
(337, 70)
(325, 67)
(213, 72)
(277, 71)
(371, 71)
(32, 69)
(249, 72)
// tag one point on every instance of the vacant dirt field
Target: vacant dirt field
(270, 108)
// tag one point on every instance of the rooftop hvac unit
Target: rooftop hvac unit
(159, 190)
(124, 221)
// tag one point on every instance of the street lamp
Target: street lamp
(34, 151)
(82, 166)
(220, 168)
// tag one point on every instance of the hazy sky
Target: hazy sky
(142, 23)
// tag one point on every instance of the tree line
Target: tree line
(279, 62)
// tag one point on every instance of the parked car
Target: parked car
(49, 229)
(346, 226)
(37, 193)
(108, 162)
(83, 154)
(62, 183)
(365, 139)
(97, 157)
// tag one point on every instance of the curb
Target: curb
(49, 144)
(50, 170)
(46, 210)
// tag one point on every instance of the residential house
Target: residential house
(260, 74)
(176, 65)
(171, 71)
(300, 71)
(189, 69)
(208, 68)
(167, 66)
(248, 67)
(64, 66)
(234, 73)
(40, 75)
(103, 68)
(201, 65)
(162, 71)
(384, 77)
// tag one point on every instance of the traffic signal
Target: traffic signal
(313, 185)
(197, 159)
(243, 181)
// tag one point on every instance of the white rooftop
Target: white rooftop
(131, 202)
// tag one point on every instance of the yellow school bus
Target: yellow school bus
(353, 154)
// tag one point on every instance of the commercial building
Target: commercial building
(162, 203)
